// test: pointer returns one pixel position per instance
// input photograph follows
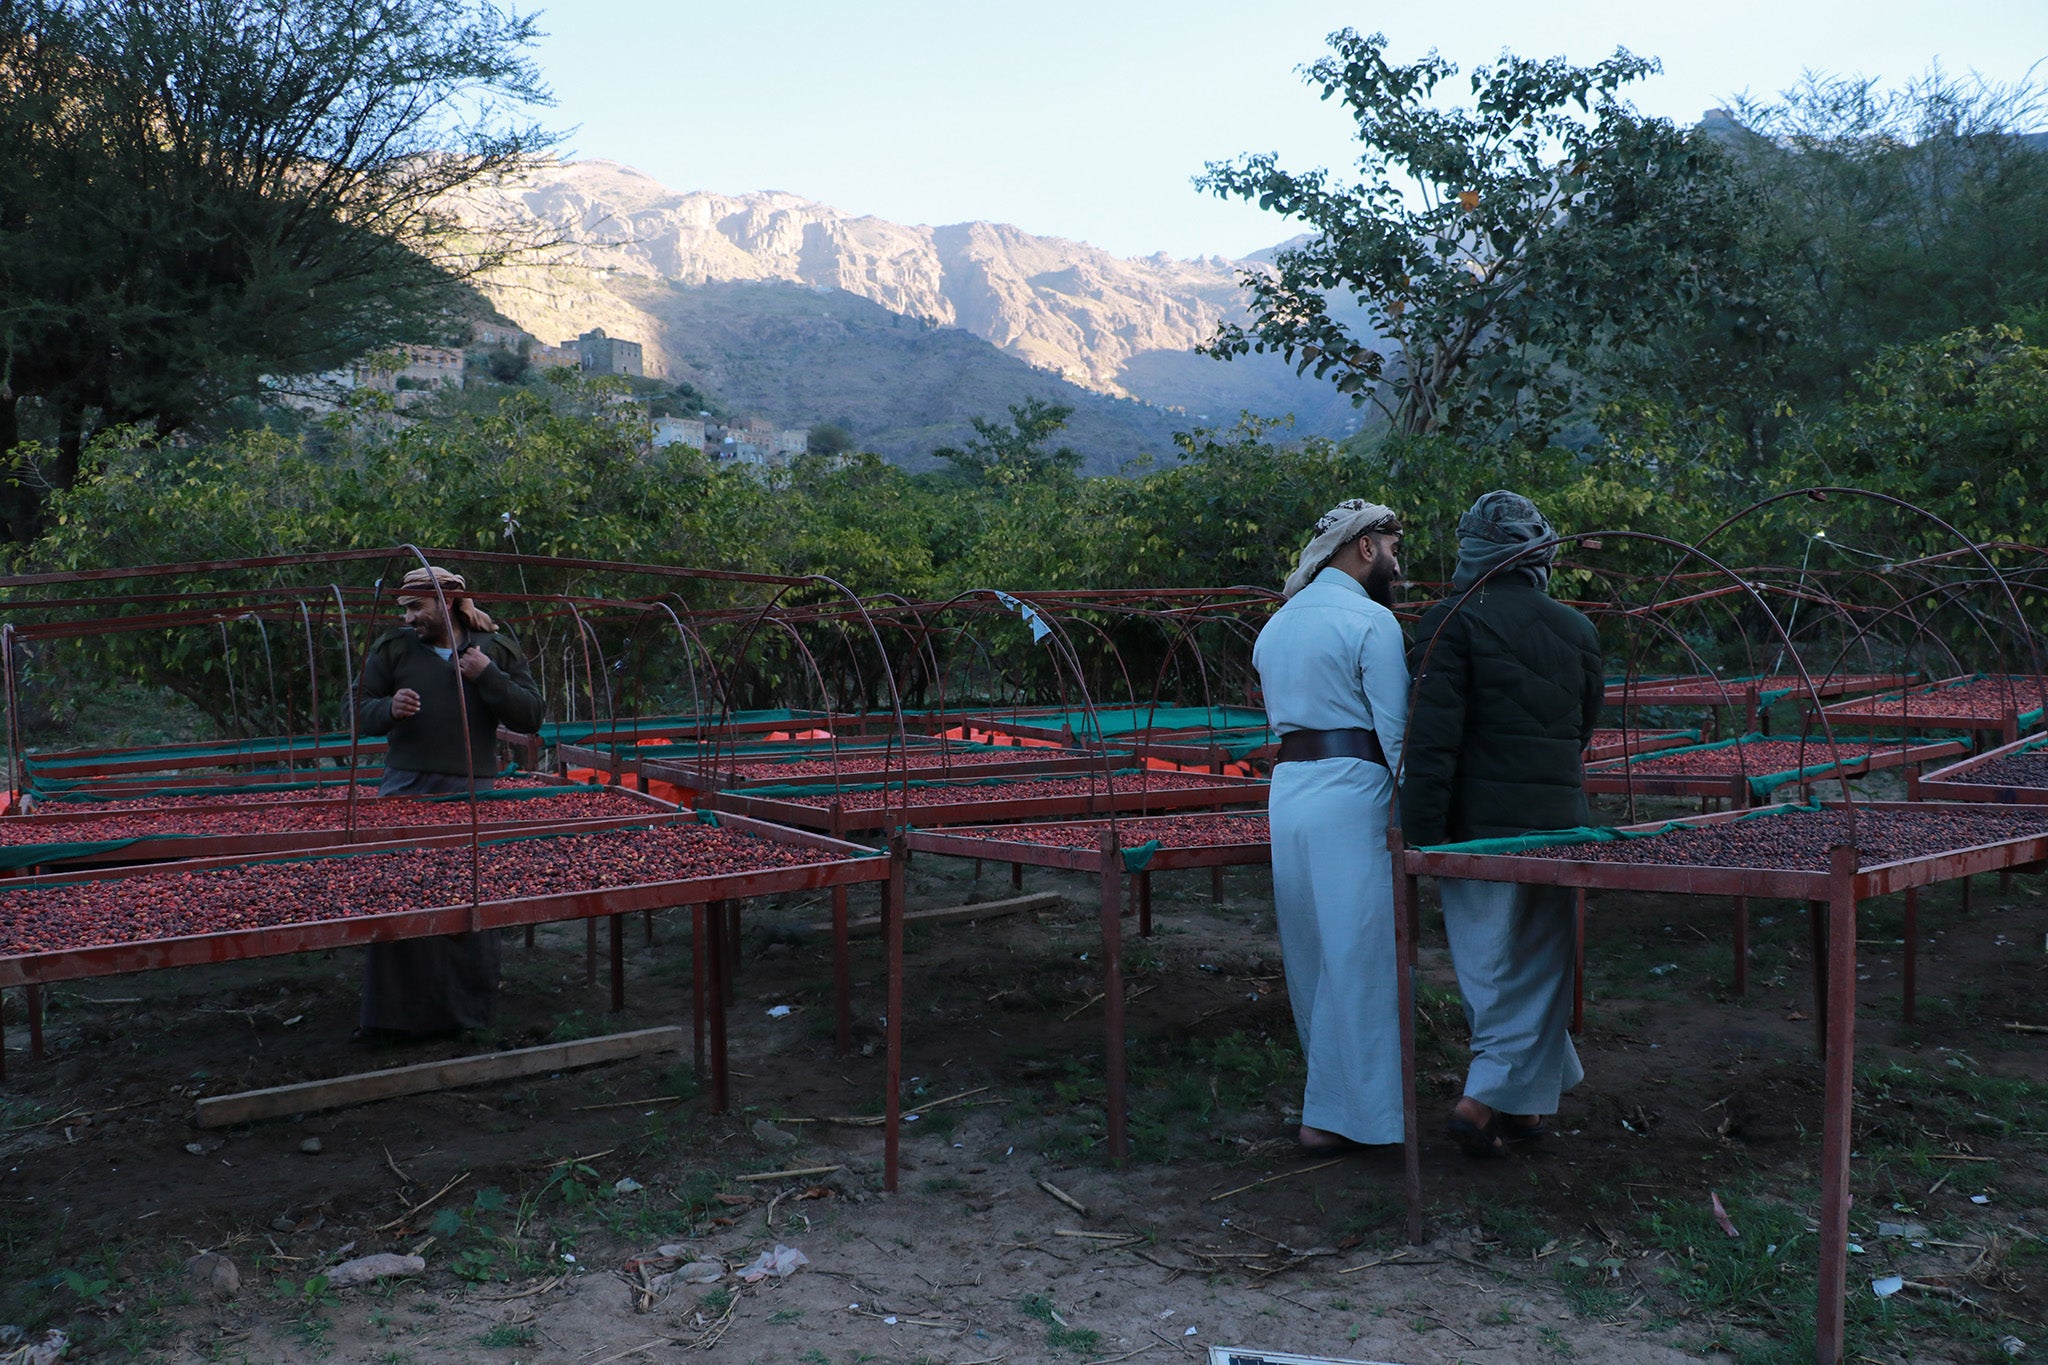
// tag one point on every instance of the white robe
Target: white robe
(1332, 659)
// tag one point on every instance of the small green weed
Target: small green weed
(1059, 1336)
(505, 1336)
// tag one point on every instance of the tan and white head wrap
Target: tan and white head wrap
(1335, 529)
(420, 584)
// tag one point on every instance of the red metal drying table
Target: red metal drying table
(2012, 774)
(835, 865)
(876, 807)
(1745, 772)
(1109, 850)
(1943, 841)
(1750, 698)
(927, 763)
(1994, 704)
(1620, 743)
(89, 836)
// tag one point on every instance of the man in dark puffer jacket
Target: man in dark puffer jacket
(1507, 691)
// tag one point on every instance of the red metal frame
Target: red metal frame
(2006, 724)
(1625, 776)
(171, 846)
(1019, 763)
(1958, 782)
(1833, 892)
(1620, 743)
(846, 865)
(982, 803)
(1104, 860)
(1743, 695)
(158, 758)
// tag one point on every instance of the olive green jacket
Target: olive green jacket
(431, 740)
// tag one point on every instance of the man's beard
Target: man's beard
(1379, 582)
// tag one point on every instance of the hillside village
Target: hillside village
(498, 353)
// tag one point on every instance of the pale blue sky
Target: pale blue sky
(1087, 118)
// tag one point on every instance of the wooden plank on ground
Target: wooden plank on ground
(218, 1111)
(959, 914)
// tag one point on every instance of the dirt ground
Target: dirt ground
(1601, 1245)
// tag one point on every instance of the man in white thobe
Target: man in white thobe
(1332, 665)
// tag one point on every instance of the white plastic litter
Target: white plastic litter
(366, 1269)
(1888, 1286)
(1980, 1199)
(48, 1351)
(1885, 1229)
(780, 1012)
(2012, 1346)
(781, 1263)
(627, 1185)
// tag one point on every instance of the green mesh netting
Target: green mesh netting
(193, 755)
(82, 793)
(818, 788)
(1596, 834)
(569, 732)
(1123, 720)
(1135, 859)
(1761, 784)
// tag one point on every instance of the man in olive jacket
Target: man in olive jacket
(418, 684)
(1508, 689)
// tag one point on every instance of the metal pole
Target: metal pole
(842, 974)
(1404, 977)
(1741, 917)
(1912, 963)
(618, 963)
(1579, 961)
(714, 954)
(892, 1022)
(698, 994)
(1113, 994)
(1838, 1105)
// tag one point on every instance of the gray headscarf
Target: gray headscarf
(1335, 529)
(1500, 526)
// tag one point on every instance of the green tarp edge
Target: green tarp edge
(1598, 834)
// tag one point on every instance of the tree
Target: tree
(1505, 255)
(828, 438)
(1957, 424)
(195, 194)
(1016, 453)
(1896, 216)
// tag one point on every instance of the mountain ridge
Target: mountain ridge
(1124, 327)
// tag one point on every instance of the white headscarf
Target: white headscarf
(1336, 528)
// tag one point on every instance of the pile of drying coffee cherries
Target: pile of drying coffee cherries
(181, 904)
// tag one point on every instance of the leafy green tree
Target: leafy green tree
(195, 194)
(1503, 255)
(828, 438)
(1016, 453)
(1958, 425)
(1894, 215)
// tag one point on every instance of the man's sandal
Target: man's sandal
(1476, 1139)
(1527, 1128)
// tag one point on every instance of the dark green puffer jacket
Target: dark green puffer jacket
(1500, 717)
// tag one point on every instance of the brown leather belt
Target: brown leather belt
(1303, 746)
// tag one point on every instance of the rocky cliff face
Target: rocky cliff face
(1118, 326)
